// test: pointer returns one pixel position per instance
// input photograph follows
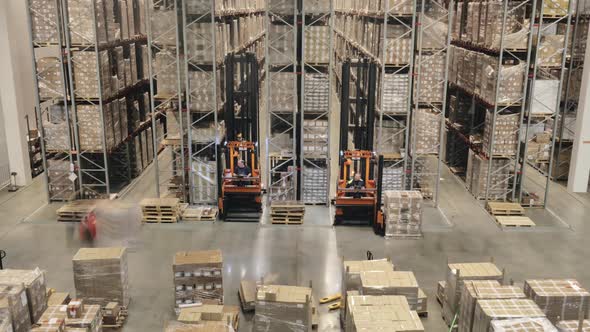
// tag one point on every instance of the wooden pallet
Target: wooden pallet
(155, 219)
(199, 213)
(160, 203)
(505, 209)
(75, 211)
(287, 221)
(121, 318)
(514, 222)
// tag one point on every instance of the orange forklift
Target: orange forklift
(239, 183)
(358, 200)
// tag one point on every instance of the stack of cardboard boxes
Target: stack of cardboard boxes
(395, 93)
(399, 46)
(476, 179)
(487, 311)
(476, 290)
(317, 93)
(198, 277)
(35, 289)
(78, 315)
(403, 213)
(429, 86)
(317, 44)
(380, 313)
(100, 276)
(391, 283)
(284, 96)
(457, 275)
(427, 124)
(523, 325)
(211, 316)
(505, 134)
(570, 326)
(559, 299)
(13, 301)
(283, 308)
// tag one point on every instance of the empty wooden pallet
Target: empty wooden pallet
(287, 212)
(199, 213)
(160, 210)
(75, 211)
(514, 222)
(505, 209)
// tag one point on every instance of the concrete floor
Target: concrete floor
(460, 231)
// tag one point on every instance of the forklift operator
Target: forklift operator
(242, 170)
(358, 184)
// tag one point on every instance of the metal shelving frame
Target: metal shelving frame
(401, 119)
(94, 172)
(419, 160)
(172, 167)
(38, 47)
(543, 25)
(200, 153)
(316, 161)
(281, 181)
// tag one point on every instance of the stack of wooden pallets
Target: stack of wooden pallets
(160, 210)
(199, 213)
(287, 212)
(75, 211)
(509, 215)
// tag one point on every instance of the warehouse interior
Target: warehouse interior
(294, 165)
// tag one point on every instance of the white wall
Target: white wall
(17, 93)
(4, 165)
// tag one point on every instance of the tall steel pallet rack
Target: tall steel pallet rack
(190, 40)
(281, 91)
(567, 117)
(553, 25)
(398, 37)
(89, 83)
(316, 57)
(518, 156)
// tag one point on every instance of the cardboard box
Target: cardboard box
(90, 320)
(211, 314)
(377, 313)
(75, 308)
(13, 300)
(35, 288)
(283, 308)
(247, 294)
(198, 277)
(458, 273)
(100, 275)
(391, 283)
(475, 290)
(559, 299)
(201, 327)
(487, 311)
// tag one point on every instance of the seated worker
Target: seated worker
(242, 171)
(356, 183)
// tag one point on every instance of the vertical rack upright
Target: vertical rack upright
(316, 99)
(281, 114)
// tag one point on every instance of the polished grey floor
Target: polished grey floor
(459, 231)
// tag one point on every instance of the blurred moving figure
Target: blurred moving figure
(112, 223)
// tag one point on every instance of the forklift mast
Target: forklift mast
(242, 91)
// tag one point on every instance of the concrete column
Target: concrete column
(16, 86)
(580, 162)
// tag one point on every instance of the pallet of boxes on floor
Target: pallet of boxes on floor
(474, 299)
(377, 297)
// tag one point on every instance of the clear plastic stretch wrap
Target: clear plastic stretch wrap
(35, 288)
(380, 313)
(434, 33)
(351, 275)
(457, 274)
(211, 316)
(5, 322)
(283, 308)
(523, 325)
(559, 299)
(475, 290)
(14, 299)
(511, 82)
(403, 212)
(100, 275)
(390, 283)
(568, 326)
(487, 311)
(505, 133)
(198, 277)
